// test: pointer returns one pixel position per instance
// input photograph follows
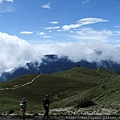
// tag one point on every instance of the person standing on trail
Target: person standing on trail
(46, 105)
(23, 105)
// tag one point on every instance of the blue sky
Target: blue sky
(31, 28)
(50, 20)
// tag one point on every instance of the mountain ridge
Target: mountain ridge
(53, 63)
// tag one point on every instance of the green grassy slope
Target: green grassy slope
(67, 85)
(79, 72)
(106, 82)
(109, 91)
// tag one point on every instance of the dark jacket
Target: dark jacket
(46, 102)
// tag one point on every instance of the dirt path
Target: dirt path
(20, 86)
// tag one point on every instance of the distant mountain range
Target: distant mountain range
(52, 63)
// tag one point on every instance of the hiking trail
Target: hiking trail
(20, 86)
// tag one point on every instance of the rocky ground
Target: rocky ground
(113, 109)
(38, 117)
(80, 117)
(70, 113)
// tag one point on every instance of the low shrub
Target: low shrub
(11, 111)
(85, 103)
(35, 114)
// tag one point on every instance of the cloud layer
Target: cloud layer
(15, 51)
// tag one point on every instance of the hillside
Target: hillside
(72, 86)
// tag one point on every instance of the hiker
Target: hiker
(23, 106)
(46, 106)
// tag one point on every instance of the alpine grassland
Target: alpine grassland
(78, 88)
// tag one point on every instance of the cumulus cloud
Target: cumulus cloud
(26, 32)
(15, 51)
(47, 6)
(83, 22)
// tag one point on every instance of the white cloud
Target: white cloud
(5, 7)
(47, 6)
(59, 30)
(15, 51)
(46, 36)
(71, 26)
(50, 28)
(90, 34)
(41, 33)
(50, 31)
(26, 32)
(6, 1)
(10, 0)
(82, 22)
(1, 1)
(54, 22)
(87, 34)
(79, 51)
(86, 21)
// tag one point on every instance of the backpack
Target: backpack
(21, 105)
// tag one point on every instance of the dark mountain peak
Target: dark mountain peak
(98, 52)
(51, 56)
(52, 63)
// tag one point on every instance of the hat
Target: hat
(47, 96)
(23, 99)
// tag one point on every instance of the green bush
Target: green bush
(11, 111)
(85, 103)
